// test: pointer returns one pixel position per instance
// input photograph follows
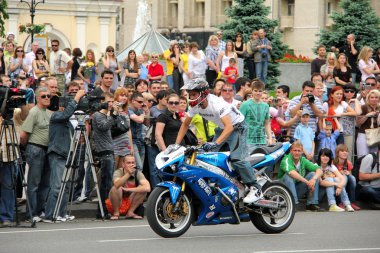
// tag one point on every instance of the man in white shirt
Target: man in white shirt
(31, 56)
(60, 64)
(231, 130)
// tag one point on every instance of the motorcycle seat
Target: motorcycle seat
(266, 149)
(255, 159)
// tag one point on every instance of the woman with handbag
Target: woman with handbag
(121, 131)
(168, 124)
(368, 136)
(336, 107)
(40, 64)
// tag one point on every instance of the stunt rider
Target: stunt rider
(231, 130)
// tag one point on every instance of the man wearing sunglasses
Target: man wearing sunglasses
(35, 135)
(60, 64)
(369, 84)
(228, 94)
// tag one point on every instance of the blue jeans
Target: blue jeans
(153, 171)
(107, 163)
(57, 165)
(351, 187)
(7, 194)
(238, 148)
(170, 81)
(370, 194)
(330, 192)
(262, 70)
(38, 178)
(139, 148)
(300, 188)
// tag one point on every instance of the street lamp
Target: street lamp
(32, 7)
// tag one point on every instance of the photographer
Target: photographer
(60, 133)
(8, 169)
(308, 102)
(102, 122)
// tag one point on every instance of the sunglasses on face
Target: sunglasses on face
(140, 102)
(20, 51)
(110, 51)
(227, 90)
(40, 53)
(372, 84)
(173, 103)
(45, 96)
(349, 91)
(150, 100)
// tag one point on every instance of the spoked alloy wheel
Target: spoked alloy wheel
(162, 217)
(272, 220)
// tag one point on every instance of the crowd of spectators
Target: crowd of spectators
(142, 110)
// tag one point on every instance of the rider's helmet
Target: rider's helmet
(200, 85)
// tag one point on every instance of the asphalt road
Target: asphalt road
(310, 232)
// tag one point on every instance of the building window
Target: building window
(329, 8)
(290, 7)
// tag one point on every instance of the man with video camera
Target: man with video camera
(60, 133)
(306, 102)
(9, 152)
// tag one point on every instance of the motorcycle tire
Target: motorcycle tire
(164, 222)
(272, 221)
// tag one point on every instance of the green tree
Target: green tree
(357, 17)
(246, 16)
(3, 16)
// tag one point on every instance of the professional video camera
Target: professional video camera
(87, 103)
(11, 98)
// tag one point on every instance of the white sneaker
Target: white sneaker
(37, 219)
(60, 219)
(253, 195)
(349, 208)
(47, 221)
(69, 217)
(42, 215)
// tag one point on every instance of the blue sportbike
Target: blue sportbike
(202, 188)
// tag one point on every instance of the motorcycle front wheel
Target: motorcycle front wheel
(270, 220)
(164, 217)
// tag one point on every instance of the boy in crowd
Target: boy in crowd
(305, 134)
(231, 72)
(327, 137)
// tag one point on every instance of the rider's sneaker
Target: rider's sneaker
(253, 195)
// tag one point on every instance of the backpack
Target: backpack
(375, 162)
(276, 128)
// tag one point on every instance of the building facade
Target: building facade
(75, 23)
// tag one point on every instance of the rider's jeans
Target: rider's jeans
(298, 189)
(238, 148)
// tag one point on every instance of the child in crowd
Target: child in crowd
(333, 182)
(231, 72)
(345, 168)
(305, 134)
(327, 138)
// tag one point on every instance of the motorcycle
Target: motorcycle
(202, 188)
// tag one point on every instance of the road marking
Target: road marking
(319, 250)
(70, 229)
(195, 237)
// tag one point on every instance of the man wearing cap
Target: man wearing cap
(31, 56)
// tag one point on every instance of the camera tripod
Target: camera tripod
(73, 161)
(8, 134)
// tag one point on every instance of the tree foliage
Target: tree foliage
(357, 17)
(246, 16)
(3, 16)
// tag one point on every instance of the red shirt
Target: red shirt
(349, 166)
(231, 70)
(156, 70)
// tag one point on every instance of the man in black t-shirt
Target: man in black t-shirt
(107, 80)
(351, 51)
(317, 63)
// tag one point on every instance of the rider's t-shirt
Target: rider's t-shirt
(216, 109)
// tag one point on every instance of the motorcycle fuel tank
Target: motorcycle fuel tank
(218, 159)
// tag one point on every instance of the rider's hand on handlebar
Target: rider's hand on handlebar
(171, 148)
(209, 146)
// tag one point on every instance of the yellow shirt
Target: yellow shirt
(198, 123)
(169, 63)
(185, 59)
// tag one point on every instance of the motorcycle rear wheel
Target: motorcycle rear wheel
(272, 221)
(160, 217)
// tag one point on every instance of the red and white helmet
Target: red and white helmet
(200, 85)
